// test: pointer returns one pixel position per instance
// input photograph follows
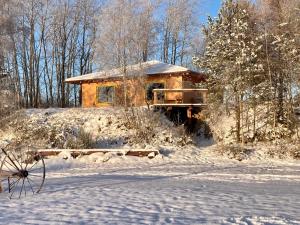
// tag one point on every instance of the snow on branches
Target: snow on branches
(249, 67)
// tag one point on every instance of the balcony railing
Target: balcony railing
(3, 73)
(180, 97)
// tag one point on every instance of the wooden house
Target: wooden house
(149, 83)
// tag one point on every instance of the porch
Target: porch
(188, 97)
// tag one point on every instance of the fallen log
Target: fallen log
(150, 153)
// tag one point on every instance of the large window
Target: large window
(149, 91)
(105, 94)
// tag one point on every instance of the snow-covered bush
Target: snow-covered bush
(143, 121)
(284, 149)
(94, 128)
(295, 152)
(83, 140)
(233, 151)
(150, 126)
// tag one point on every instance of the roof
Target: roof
(147, 68)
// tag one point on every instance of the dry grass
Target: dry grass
(284, 149)
(237, 152)
(149, 126)
(84, 140)
(143, 121)
(295, 152)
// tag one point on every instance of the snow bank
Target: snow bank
(109, 128)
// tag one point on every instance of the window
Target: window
(149, 91)
(105, 94)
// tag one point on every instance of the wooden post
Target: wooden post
(204, 96)
(155, 100)
(189, 112)
(80, 95)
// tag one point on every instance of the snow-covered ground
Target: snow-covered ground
(140, 191)
(185, 184)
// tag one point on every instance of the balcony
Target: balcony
(192, 97)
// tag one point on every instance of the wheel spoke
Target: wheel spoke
(36, 175)
(13, 164)
(32, 181)
(11, 185)
(17, 160)
(21, 159)
(25, 173)
(22, 188)
(8, 168)
(14, 188)
(27, 161)
(2, 170)
(30, 185)
(36, 169)
(14, 182)
(33, 165)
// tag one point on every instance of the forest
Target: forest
(43, 42)
(228, 155)
(250, 53)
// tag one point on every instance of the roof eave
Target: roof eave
(187, 72)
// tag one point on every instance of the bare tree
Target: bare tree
(179, 26)
(126, 32)
(50, 40)
(126, 35)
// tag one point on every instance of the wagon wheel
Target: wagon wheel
(22, 173)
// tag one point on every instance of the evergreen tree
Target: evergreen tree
(253, 66)
(231, 60)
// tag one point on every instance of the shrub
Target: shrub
(83, 140)
(284, 149)
(143, 121)
(237, 152)
(295, 152)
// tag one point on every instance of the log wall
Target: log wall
(136, 90)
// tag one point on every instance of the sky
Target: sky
(203, 8)
(209, 8)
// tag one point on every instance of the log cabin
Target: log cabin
(149, 83)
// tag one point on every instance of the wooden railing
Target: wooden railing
(180, 97)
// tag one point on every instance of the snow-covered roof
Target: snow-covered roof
(149, 68)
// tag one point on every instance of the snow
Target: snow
(158, 192)
(190, 184)
(108, 128)
(149, 68)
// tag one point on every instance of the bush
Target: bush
(83, 140)
(237, 152)
(153, 128)
(295, 152)
(285, 149)
(143, 121)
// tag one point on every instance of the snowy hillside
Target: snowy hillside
(190, 182)
(108, 128)
(112, 128)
